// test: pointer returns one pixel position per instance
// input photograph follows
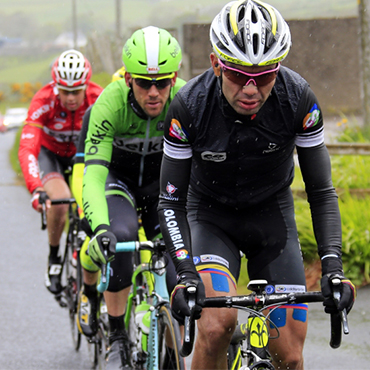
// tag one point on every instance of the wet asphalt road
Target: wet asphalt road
(35, 332)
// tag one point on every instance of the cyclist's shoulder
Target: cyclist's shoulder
(44, 102)
(202, 85)
(113, 103)
(290, 81)
(93, 88)
(47, 92)
(116, 91)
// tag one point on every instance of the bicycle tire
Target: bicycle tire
(97, 345)
(261, 365)
(74, 286)
(168, 328)
(73, 276)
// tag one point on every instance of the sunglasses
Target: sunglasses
(147, 82)
(243, 78)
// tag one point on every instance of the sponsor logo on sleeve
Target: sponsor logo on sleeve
(182, 254)
(33, 168)
(174, 230)
(27, 136)
(312, 118)
(171, 189)
(177, 131)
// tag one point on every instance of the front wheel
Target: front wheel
(261, 365)
(169, 341)
(73, 272)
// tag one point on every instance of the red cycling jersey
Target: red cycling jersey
(52, 126)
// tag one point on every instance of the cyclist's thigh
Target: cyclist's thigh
(52, 173)
(218, 263)
(279, 260)
(213, 250)
(124, 225)
(287, 343)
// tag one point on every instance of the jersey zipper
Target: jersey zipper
(72, 127)
(144, 153)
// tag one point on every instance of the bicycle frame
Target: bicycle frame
(158, 295)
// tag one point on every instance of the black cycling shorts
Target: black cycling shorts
(265, 233)
(123, 203)
(50, 162)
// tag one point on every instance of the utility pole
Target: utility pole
(118, 22)
(364, 18)
(74, 24)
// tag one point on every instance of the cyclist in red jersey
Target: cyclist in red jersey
(47, 145)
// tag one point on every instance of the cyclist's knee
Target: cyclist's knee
(292, 360)
(216, 326)
(124, 231)
(56, 186)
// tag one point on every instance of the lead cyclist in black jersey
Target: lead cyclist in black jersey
(225, 183)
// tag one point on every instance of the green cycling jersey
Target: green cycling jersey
(122, 139)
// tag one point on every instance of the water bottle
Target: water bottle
(142, 320)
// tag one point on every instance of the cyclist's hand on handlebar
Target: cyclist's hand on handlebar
(330, 282)
(180, 297)
(39, 197)
(102, 247)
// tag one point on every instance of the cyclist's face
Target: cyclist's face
(71, 100)
(245, 99)
(151, 97)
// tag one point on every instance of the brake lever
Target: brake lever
(43, 217)
(343, 314)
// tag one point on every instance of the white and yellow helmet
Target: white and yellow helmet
(250, 33)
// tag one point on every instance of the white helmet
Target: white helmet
(71, 71)
(250, 33)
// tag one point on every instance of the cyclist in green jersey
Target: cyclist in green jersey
(122, 155)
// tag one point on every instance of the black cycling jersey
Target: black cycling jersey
(242, 161)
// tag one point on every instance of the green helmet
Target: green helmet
(151, 50)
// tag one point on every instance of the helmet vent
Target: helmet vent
(255, 43)
(241, 14)
(224, 41)
(228, 23)
(254, 18)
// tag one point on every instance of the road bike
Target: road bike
(71, 273)
(71, 279)
(248, 349)
(154, 335)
